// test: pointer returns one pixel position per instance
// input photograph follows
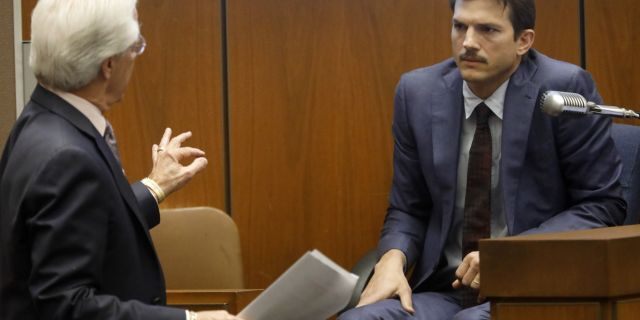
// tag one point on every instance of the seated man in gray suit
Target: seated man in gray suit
(476, 158)
(74, 235)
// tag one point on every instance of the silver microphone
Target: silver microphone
(554, 103)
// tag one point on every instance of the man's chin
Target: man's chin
(472, 75)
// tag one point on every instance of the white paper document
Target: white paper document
(313, 288)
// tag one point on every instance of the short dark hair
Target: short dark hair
(522, 16)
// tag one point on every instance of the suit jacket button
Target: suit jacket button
(156, 300)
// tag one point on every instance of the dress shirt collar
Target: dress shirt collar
(85, 107)
(495, 102)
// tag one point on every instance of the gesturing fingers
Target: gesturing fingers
(171, 170)
(166, 136)
(187, 152)
(173, 146)
(197, 165)
(177, 141)
(154, 154)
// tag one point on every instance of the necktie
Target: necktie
(477, 209)
(110, 139)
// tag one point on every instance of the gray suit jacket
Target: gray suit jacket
(557, 173)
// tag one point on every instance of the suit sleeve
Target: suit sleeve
(147, 204)
(591, 167)
(68, 233)
(405, 223)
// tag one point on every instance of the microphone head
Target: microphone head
(554, 103)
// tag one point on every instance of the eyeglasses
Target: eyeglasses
(139, 46)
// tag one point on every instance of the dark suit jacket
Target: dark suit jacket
(557, 173)
(74, 237)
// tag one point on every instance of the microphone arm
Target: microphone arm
(612, 111)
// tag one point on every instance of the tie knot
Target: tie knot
(482, 113)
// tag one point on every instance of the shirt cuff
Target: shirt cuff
(154, 189)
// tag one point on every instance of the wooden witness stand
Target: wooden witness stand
(232, 300)
(587, 274)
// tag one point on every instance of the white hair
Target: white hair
(71, 38)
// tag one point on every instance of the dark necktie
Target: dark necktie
(110, 139)
(477, 208)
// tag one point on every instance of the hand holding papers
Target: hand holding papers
(313, 288)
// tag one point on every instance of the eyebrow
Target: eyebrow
(490, 25)
(482, 24)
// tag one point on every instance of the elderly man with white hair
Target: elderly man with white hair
(74, 235)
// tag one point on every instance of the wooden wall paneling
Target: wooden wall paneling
(311, 99)
(7, 72)
(558, 29)
(612, 40)
(176, 83)
(27, 8)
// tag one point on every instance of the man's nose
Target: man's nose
(470, 39)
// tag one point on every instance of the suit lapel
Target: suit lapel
(47, 99)
(121, 181)
(519, 105)
(447, 115)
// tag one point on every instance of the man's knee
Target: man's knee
(362, 313)
(385, 309)
(480, 312)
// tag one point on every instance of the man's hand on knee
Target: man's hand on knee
(388, 281)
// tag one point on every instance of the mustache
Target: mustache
(472, 57)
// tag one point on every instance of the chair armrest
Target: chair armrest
(364, 270)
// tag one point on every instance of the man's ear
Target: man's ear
(106, 68)
(525, 41)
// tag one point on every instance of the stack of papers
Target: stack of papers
(313, 288)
